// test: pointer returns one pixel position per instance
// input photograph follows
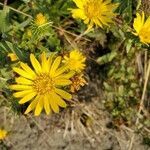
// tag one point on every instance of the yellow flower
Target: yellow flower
(12, 56)
(3, 134)
(43, 86)
(77, 82)
(94, 12)
(40, 19)
(142, 28)
(75, 61)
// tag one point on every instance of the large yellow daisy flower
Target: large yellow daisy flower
(43, 85)
(94, 12)
(75, 61)
(142, 28)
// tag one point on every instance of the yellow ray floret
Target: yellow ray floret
(142, 28)
(75, 61)
(94, 12)
(42, 86)
(3, 134)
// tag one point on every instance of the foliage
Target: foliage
(122, 57)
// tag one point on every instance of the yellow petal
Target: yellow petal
(22, 93)
(143, 18)
(49, 61)
(138, 22)
(79, 3)
(44, 63)
(59, 101)
(20, 87)
(107, 2)
(53, 103)
(23, 73)
(65, 95)
(28, 69)
(104, 20)
(32, 105)
(62, 82)
(39, 107)
(78, 13)
(27, 98)
(47, 105)
(67, 76)
(147, 23)
(60, 70)
(25, 81)
(36, 65)
(86, 21)
(97, 22)
(55, 65)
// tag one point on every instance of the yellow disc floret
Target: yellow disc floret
(43, 84)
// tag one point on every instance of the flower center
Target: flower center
(92, 9)
(43, 84)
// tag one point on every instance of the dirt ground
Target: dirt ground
(85, 125)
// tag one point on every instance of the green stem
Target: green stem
(18, 11)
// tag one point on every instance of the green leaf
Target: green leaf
(107, 86)
(125, 9)
(4, 23)
(106, 58)
(139, 2)
(121, 90)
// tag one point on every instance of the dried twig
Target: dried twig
(18, 11)
(5, 3)
(141, 103)
(41, 128)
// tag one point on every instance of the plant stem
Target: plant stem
(5, 2)
(18, 11)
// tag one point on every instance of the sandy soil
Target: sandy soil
(68, 130)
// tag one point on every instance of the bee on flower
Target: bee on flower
(44, 85)
(3, 134)
(95, 12)
(142, 28)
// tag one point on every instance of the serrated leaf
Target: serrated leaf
(106, 58)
